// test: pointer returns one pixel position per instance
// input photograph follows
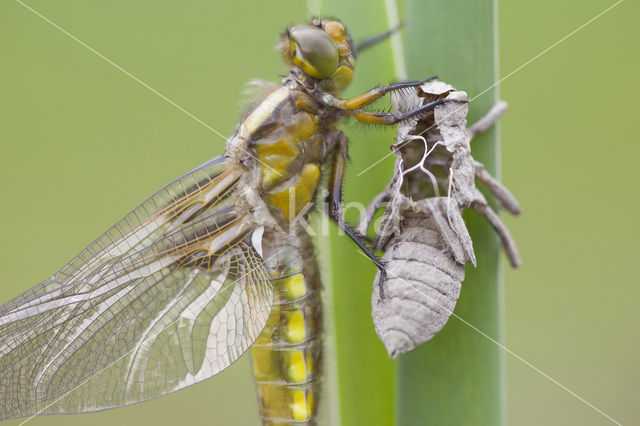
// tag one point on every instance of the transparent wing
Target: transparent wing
(171, 295)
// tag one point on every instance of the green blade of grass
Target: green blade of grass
(457, 377)
(365, 374)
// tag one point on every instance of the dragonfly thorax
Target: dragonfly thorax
(288, 134)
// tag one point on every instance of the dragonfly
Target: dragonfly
(213, 264)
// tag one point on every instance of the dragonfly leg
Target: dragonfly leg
(336, 180)
(388, 118)
(372, 95)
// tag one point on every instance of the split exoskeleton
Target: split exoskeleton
(422, 233)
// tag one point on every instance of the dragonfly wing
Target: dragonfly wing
(171, 295)
(144, 225)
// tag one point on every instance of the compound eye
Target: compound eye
(315, 52)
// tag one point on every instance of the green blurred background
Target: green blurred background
(82, 144)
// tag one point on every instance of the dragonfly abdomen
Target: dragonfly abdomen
(287, 355)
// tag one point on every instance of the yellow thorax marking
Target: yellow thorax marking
(262, 112)
(280, 149)
(299, 193)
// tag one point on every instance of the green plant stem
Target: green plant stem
(364, 371)
(457, 377)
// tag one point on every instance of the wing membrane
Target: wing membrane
(169, 296)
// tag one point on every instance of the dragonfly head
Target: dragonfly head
(322, 50)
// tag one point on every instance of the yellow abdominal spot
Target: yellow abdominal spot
(295, 326)
(296, 371)
(299, 405)
(294, 287)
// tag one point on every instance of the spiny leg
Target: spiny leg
(336, 180)
(370, 96)
(388, 118)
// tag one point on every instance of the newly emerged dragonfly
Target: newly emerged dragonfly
(212, 264)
